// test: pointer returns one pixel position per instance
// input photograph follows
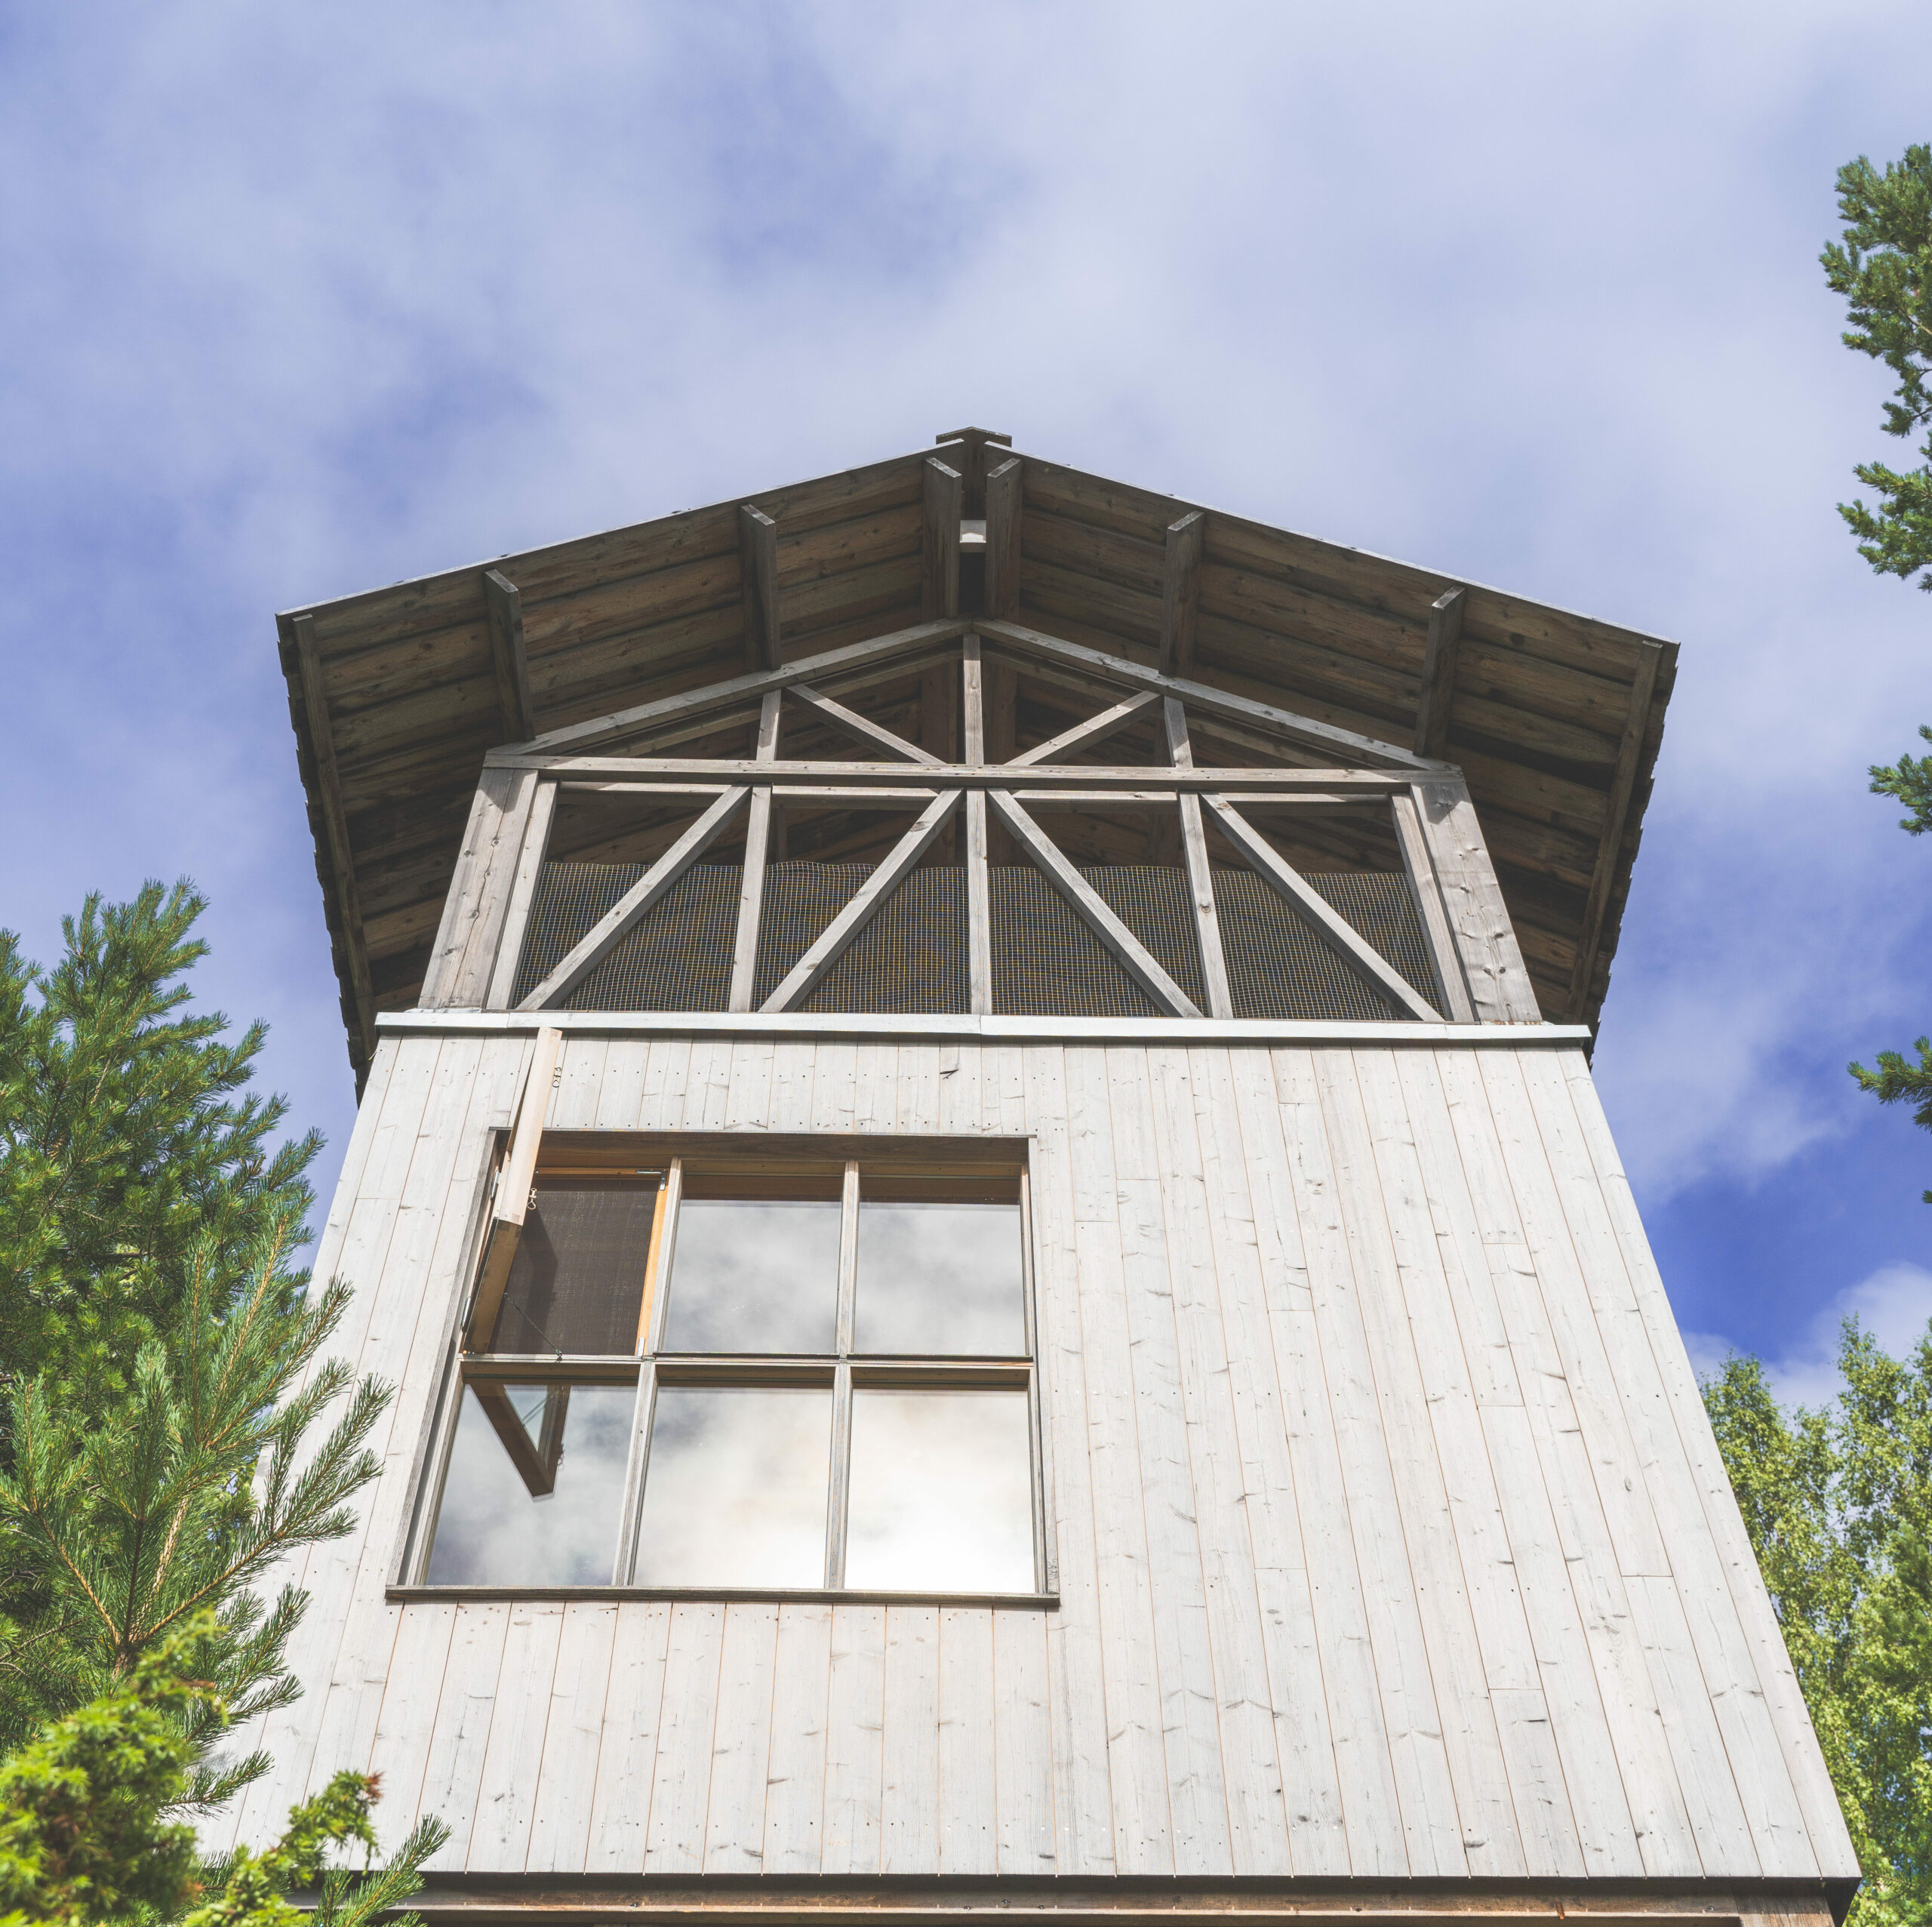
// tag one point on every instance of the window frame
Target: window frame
(667, 1156)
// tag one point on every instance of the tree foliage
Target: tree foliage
(88, 1838)
(1883, 267)
(1838, 1505)
(161, 1371)
(130, 1150)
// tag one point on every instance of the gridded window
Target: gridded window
(788, 1373)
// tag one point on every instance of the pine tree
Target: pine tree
(1883, 269)
(126, 1142)
(89, 1831)
(160, 1373)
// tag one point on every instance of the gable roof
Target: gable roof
(1555, 718)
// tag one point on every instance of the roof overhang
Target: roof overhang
(399, 695)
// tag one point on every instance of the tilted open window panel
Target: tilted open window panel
(789, 1370)
(839, 835)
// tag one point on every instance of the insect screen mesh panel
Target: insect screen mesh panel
(677, 957)
(800, 899)
(576, 1282)
(1278, 967)
(1046, 961)
(1152, 900)
(912, 954)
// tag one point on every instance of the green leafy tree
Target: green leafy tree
(1838, 1505)
(89, 1835)
(128, 1142)
(1883, 267)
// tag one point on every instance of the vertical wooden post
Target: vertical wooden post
(1500, 988)
(523, 894)
(1427, 894)
(841, 1393)
(335, 823)
(1438, 672)
(758, 546)
(1004, 487)
(939, 572)
(1180, 575)
(979, 882)
(504, 607)
(751, 885)
(1200, 873)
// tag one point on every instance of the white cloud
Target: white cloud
(1892, 1305)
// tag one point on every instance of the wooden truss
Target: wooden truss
(1479, 973)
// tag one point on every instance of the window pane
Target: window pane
(941, 1494)
(754, 1277)
(940, 1280)
(577, 1283)
(736, 1491)
(497, 1526)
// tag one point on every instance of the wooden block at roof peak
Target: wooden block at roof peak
(1438, 673)
(758, 548)
(505, 607)
(1180, 593)
(939, 571)
(970, 444)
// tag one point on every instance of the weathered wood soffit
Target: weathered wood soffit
(397, 695)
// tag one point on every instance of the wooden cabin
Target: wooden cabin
(978, 1174)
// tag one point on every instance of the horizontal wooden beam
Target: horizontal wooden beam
(1120, 672)
(737, 692)
(642, 771)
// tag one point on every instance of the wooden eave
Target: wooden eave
(1555, 718)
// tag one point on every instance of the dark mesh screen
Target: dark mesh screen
(911, 956)
(576, 1282)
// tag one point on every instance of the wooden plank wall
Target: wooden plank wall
(1392, 1541)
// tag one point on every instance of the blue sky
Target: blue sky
(294, 301)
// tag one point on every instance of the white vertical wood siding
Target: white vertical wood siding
(1392, 1538)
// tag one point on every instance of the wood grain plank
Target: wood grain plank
(1438, 672)
(855, 1731)
(627, 1745)
(560, 1820)
(1318, 1842)
(1083, 1832)
(734, 1825)
(1156, 1144)
(1797, 1746)
(1456, 1658)
(1136, 1722)
(1500, 988)
(968, 1819)
(512, 1760)
(1022, 1745)
(410, 1692)
(681, 1782)
(453, 1769)
(1431, 1829)
(795, 1779)
(1286, 1225)
(503, 607)
(909, 1806)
